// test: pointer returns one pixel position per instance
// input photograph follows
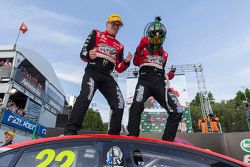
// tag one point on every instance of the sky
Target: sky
(211, 32)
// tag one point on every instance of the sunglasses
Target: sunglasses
(115, 24)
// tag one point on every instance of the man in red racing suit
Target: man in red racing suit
(103, 53)
(151, 58)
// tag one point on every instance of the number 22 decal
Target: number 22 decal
(51, 155)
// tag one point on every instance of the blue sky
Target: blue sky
(211, 32)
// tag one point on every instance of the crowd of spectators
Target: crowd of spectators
(5, 63)
(33, 79)
(1, 101)
(11, 106)
(209, 123)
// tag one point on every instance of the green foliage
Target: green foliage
(93, 121)
(196, 101)
(231, 119)
(105, 127)
(211, 98)
(231, 113)
(195, 115)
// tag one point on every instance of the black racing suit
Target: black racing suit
(152, 83)
(98, 76)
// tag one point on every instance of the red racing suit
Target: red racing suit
(145, 57)
(152, 83)
(109, 54)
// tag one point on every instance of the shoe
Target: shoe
(132, 135)
(68, 132)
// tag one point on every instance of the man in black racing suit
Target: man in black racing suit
(103, 53)
(151, 58)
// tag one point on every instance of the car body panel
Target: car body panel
(112, 141)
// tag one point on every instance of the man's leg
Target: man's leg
(173, 109)
(81, 105)
(113, 95)
(142, 93)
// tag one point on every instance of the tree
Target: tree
(240, 97)
(105, 127)
(231, 119)
(211, 98)
(196, 101)
(92, 121)
(195, 115)
(247, 92)
(196, 112)
(231, 113)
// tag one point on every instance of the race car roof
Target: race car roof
(129, 138)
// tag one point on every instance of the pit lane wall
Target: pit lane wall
(235, 145)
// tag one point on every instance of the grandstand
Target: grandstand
(30, 92)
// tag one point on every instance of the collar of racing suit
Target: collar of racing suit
(109, 35)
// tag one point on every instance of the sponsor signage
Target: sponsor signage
(22, 123)
(54, 104)
(50, 96)
(54, 94)
(27, 83)
(245, 145)
(153, 120)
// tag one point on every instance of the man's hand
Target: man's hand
(92, 54)
(129, 57)
(173, 69)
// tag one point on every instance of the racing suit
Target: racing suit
(109, 55)
(152, 83)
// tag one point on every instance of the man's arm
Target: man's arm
(138, 57)
(171, 73)
(122, 64)
(87, 46)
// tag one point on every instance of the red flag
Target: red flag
(23, 28)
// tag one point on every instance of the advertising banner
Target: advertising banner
(26, 82)
(19, 122)
(54, 94)
(179, 87)
(53, 103)
(153, 120)
(49, 95)
(53, 97)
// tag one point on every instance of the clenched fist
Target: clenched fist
(128, 58)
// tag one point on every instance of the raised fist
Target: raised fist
(128, 58)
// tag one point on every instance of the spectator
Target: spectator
(1, 102)
(21, 112)
(182, 126)
(13, 108)
(202, 124)
(10, 103)
(7, 63)
(214, 122)
(1, 63)
(9, 136)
